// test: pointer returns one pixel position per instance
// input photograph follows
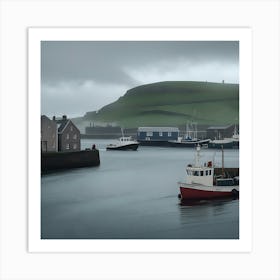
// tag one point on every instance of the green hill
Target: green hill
(173, 103)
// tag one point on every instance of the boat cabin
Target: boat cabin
(126, 140)
(200, 175)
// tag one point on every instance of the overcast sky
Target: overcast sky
(78, 77)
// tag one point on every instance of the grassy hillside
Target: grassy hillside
(173, 103)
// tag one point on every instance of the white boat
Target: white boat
(204, 183)
(124, 144)
(226, 143)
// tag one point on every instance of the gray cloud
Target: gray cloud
(80, 76)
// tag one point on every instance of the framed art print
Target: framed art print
(138, 139)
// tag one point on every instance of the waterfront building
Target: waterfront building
(157, 133)
(48, 135)
(69, 137)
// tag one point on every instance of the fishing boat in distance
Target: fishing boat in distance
(204, 181)
(124, 144)
(190, 139)
(226, 143)
(188, 143)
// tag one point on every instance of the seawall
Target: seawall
(66, 160)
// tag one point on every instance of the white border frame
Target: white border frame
(243, 35)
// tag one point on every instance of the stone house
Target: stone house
(69, 137)
(48, 135)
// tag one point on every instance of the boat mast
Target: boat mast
(223, 169)
(197, 158)
(195, 130)
(187, 136)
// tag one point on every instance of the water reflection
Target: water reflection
(205, 209)
(210, 219)
(195, 202)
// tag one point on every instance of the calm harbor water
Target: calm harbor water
(133, 195)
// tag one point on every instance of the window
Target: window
(201, 173)
(74, 146)
(209, 172)
(169, 134)
(206, 173)
(71, 128)
(67, 136)
(75, 136)
(189, 172)
(160, 134)
(67, 146)
(149, 133)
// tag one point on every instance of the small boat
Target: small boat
(124, 144)
(188, 143)
(204, 183)
(226, 143)
(190, 139)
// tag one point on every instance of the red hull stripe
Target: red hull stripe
(188, 193)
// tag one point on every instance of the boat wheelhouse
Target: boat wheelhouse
(124, 144)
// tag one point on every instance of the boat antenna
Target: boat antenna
(197, 158)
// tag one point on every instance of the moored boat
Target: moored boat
(188, 143)
(190, 139)
(124, 144)
(203, 183)
(226, 143)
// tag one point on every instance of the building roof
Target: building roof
(158, 129)
(61, 124)
(44, 117)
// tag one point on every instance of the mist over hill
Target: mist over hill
(172, 104)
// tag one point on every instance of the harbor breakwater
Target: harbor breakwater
(52, 161)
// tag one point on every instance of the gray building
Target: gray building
(69, 137)
(48, 135)
(157, 133)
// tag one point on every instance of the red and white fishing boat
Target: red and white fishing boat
(203, 183)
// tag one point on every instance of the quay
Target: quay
(53, 161)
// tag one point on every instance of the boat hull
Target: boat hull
(227, 145)
(129, 147)
(196, 193)
(188, 144)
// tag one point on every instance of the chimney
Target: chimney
(64, 117)
(53, 118)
